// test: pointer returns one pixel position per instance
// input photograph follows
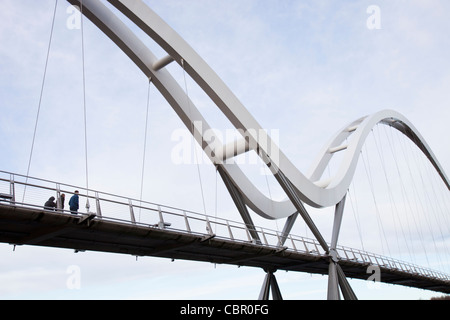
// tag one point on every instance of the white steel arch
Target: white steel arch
(307, 188)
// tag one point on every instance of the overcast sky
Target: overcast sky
(302, 68)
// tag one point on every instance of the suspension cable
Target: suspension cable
(392, 202)
(356, 212)
(84, 106)
(216, 201)
(264, 166)
(145, 144)
(407, 205)
(415, 194)
(426, 200)
(377, 211)
(40, 97)
(193, 133)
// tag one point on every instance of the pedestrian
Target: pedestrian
(74, 203)
(60, 202)
(50, 204)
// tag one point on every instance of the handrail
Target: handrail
(180, 220)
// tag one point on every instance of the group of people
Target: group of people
(59, 204)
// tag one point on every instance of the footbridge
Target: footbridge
(121, 225)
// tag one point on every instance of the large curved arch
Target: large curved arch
(310, 189)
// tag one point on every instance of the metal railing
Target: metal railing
(19, 190)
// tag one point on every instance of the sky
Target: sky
(302, 68)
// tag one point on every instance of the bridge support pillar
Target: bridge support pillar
(289, 188)
(270, 282)
(240, 204)
(333, 284)
(336, 280)
(336, 276)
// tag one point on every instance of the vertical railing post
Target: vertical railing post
(12, 189)
(188, 227)
(58, 198)
(248, 234)
(304, 244)
(229, 230)
(161, 224)
(264, 237)
(97, 205)
(130, 204)
(293, 243)
(208, 227)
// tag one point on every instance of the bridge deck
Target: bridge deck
(28, 226)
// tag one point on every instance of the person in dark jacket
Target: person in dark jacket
(50, 204)
(73, 203)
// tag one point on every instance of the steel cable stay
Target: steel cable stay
(431, 196)
(428, 207)
(264, 168)
(437, 206)
(410, 221)
(389, 193)
(84, 107)
(144, 146)
(41, 96)
(415, 197)
(407, 207)
(406, 201)
(216, 201)
(194, 146)
(83, 52)
(423, 199)
(439, 215)
(365, 156)
(401, 214)
(50, 41)
(441, 202)
(381, 232)
(355, 211)
(429, 203)
(445, 200)
(392, 201)
(430, 175)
